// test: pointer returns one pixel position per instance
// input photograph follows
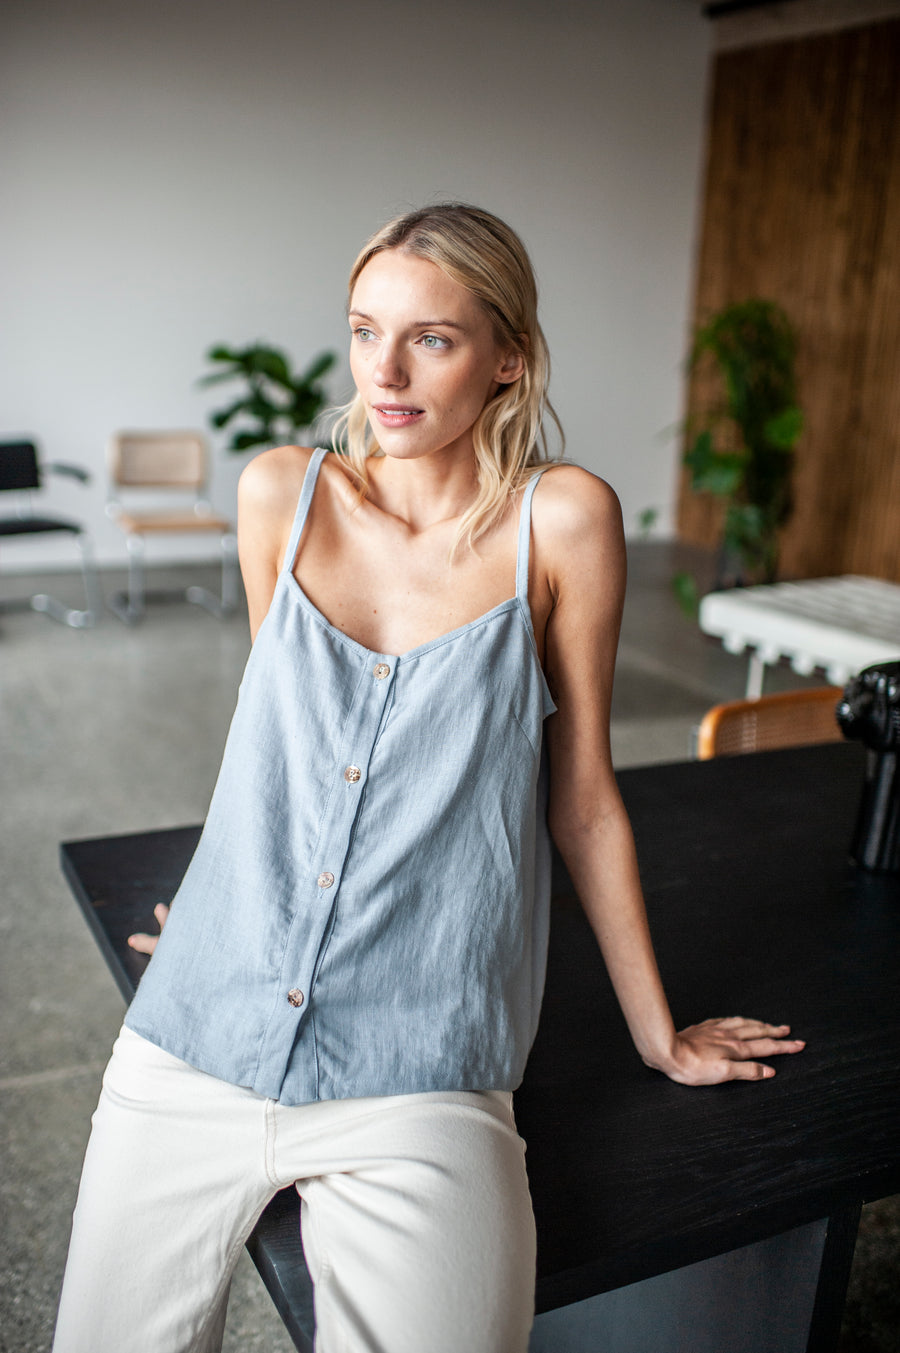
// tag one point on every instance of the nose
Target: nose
(389, 371)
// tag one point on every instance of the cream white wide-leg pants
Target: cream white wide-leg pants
(416, 1216)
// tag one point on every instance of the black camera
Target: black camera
(870, 712)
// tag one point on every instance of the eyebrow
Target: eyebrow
(417, 324)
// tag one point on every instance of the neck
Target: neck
(425, 491)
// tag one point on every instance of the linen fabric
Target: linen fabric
(417, 1224)
(367, 909)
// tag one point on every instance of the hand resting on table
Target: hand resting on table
(726, 1050)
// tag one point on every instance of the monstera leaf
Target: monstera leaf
(276, 404)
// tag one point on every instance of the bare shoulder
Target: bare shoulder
(576, 517)
(272, 480)
(268, 491)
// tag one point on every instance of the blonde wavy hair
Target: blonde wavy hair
(481, 253)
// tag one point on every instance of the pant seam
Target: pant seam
(269, 1132)
(322, 1281)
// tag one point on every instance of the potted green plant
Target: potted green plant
(741, 449)
(276, 403)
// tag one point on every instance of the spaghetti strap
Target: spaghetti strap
(524, 547)
(303, 502)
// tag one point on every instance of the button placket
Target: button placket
(334, 843)
(347, 742)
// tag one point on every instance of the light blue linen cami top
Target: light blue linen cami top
(368, 906)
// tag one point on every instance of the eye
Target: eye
(363, 334)
(434, 341)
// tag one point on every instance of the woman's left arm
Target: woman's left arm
(578, 531)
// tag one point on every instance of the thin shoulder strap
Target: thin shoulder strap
(524, 546)
(303, 502)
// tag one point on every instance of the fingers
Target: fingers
(750, 1028)
(751, 1071)
(750, 1039)
(768, 1047)
(758, 1038)
(145, 944)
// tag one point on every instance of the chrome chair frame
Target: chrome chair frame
(20, 472)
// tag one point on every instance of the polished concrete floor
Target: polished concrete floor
(115, 730)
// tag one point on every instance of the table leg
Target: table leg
(756, 674)
(276, 1250)
(834, 1275)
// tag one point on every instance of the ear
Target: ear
(511, 367)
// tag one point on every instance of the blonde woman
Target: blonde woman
(348, 986)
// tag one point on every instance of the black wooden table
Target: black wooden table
(754, 910)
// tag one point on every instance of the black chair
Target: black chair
(20, 472)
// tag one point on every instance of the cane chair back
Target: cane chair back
(789, 719)
(169, 471)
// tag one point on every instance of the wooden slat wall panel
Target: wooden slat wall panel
(802, 205)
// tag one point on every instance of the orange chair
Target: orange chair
(792, 719)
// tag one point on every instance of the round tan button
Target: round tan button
(295, 996)
(352, 774)
(381, 670)
(325, 880)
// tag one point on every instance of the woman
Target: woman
(348, 986)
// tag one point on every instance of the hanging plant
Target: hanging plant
(276, 404)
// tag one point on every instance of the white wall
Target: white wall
(183, 173)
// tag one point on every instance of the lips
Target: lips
(397, 415)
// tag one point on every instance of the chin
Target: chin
(398, 444)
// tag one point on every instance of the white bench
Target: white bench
(838, 624)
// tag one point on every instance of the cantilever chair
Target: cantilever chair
(791, 719)
(170, 470)
(20, 473)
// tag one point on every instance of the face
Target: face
(423, 355)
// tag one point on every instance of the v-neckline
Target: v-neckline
(500, 609)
